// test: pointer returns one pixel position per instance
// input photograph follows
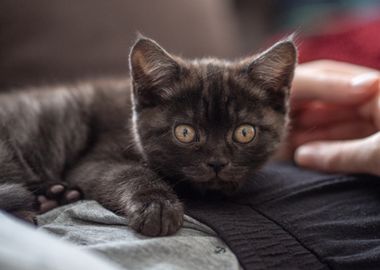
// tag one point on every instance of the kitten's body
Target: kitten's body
(114, 139)
(46, 132)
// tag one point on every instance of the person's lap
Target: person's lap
(290, 218)
(94, 228)
(285, 218)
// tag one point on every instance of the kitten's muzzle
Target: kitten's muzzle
(217, 165)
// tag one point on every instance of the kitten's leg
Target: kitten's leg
(149, 203)
(15, 198)
(14, 170)
(41, 132)
(18, 201)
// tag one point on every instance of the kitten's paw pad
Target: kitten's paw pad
(56, 194)
(73, 195)
(156, 217)
(63, 194)
(56, 189)
(45, 204)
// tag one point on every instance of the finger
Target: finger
(325, 115)
(341, 131)
(338, 67)
(333, 87)
(371, 110)
(355, 156)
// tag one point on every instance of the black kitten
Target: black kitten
(208, 123)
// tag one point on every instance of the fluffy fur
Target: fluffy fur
(114, 139)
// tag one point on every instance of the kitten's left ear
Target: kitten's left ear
(274, 68)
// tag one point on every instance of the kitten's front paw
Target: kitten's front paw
(155, 214)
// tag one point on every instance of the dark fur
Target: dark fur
(84, 135)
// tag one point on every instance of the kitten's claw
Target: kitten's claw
(155, 216)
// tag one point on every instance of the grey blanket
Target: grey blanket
(94, 228)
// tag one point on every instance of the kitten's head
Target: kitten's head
(210, 122)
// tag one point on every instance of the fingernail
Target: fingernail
(363, 81)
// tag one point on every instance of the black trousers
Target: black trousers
(290, 218)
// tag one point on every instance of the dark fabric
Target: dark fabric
(289, 218)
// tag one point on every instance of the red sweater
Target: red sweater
(355, 43)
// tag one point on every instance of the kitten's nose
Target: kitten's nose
(217, 165)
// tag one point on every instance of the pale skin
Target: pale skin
(335, 118)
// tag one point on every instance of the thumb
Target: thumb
(354, 156)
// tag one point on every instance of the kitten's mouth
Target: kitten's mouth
(220, 182)
(218, 179)
(215, 184)
(214, 179)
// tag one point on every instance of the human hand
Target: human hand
(335, 112)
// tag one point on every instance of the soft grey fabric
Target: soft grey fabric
(24, 248)
(86, 223)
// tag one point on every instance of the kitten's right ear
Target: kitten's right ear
(152, 71)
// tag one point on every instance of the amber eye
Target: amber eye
(244, 133)
(184, 133)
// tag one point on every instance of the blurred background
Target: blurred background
(49, 41)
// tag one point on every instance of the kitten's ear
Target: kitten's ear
(152, 70)
(274, 68)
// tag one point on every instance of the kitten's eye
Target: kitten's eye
(244, 133)
(184, 133)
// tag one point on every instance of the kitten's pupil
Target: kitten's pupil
(185, 132)
(244, 132)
